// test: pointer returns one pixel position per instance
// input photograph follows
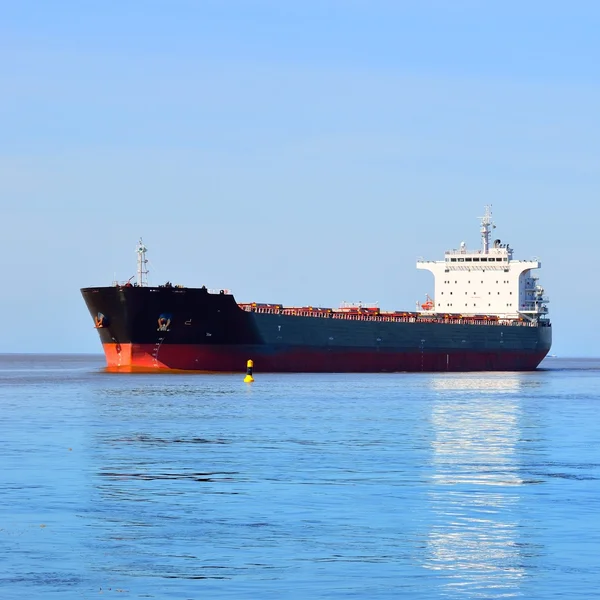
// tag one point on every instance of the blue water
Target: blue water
(298, 486)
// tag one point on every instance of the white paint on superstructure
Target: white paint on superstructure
(487, 281)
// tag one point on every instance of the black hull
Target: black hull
(190, 328)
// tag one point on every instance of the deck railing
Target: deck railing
(392, 318)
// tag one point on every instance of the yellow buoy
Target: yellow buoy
(249, 367)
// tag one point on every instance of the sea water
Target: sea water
(473, 485)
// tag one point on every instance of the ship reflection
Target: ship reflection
(475, 543)
(482, 382)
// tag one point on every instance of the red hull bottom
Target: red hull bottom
(182, 357)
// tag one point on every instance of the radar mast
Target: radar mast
(486, 228)
(142, 261)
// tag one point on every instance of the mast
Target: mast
(486, 228)
(142, 271)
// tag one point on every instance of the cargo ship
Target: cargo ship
(487, 313)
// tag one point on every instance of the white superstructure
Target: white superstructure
(487, 281)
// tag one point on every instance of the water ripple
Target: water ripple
(416, 486)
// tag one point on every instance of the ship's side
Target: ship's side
(193, 329)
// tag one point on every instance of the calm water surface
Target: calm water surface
(298, 486)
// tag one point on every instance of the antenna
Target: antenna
(142, 271)
(486, 228)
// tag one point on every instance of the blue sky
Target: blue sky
(296, 152)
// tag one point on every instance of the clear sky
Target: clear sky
(296, 152)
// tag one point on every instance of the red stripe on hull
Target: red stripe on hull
(224, 358)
